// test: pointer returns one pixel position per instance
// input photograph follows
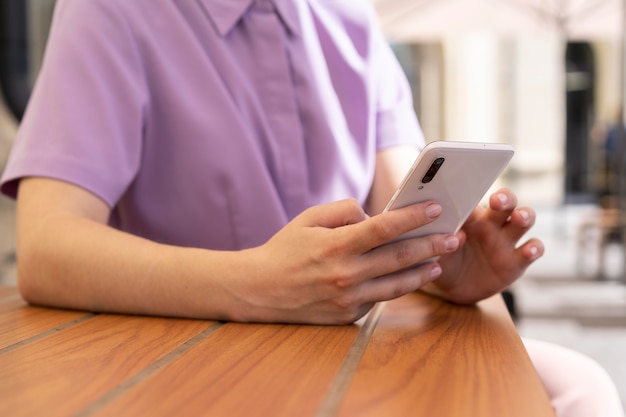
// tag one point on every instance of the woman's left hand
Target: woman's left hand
(488, 259)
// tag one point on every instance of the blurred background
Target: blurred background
(546, 76)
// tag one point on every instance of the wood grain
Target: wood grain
(18, 324)
(416, 355)
(428, 357)
(65, 371)
(245, 370)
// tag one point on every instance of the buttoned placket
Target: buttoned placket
(277, 94)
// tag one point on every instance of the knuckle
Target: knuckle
(355, 314)
(342, 282)
(382, 230)
(399, 291)
(328, 257)
(404, 254)
(352, 314)
(319, 256)
(342, 278)
(407, 282)
(352, 210)
(400, 288)
(346, 304)
(333, 249)
(348, 317)
(436, 246)
(433, 246)
(353, 204)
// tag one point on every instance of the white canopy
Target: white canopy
(415, 20)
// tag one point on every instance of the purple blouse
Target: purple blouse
(201, 124)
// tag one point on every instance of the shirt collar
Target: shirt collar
(226, 13)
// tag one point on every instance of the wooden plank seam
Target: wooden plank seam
(144, 374)
(332, 401)
(42, 335)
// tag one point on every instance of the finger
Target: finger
(399, 283)
(400, 255)
(532, 250)
(520, 221)
(501, 205)
(521, 257)
(523, 217)
(332, 215)
(387, 226)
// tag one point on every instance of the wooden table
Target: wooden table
(415, 356)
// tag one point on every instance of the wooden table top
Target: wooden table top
(414, 356)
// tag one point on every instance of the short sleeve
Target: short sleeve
(83, 123)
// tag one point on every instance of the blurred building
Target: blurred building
(484, 72)
(24, 26)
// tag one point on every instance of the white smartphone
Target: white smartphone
(456, 175)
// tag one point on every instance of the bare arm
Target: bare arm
(391, 166)
(69, 257)
(326, 266)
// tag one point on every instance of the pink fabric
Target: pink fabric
(577, 386)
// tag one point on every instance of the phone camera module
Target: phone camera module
(432, 170)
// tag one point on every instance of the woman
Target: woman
(228, 160)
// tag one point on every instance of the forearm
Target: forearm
(69, 257)
(77, 263)
(391, 166)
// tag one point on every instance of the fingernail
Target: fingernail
(503, 198)
(524, 215)
(534, 251)
(435, 271)
(452, 242)
(433, 210)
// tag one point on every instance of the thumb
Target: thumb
(332, 215)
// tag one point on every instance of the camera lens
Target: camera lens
(432, 170)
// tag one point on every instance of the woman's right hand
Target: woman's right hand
(331, 264)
